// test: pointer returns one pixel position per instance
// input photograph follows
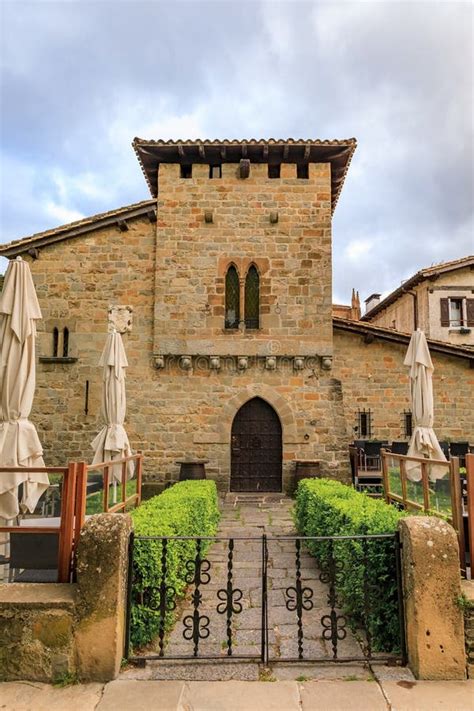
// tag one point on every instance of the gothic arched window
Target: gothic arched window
(55, 342)
(232, 298)
(252, 298)
(65, 342)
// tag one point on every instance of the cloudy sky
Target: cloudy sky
(81, 79)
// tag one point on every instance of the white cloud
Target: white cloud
(61, 213)
(358, 248)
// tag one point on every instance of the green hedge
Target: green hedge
(189, 508)
(329, 508)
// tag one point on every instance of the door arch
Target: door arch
(256, 448)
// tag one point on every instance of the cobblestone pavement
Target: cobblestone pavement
(245, 518)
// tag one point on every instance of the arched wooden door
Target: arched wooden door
(256, 449)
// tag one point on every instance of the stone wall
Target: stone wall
(53, 632)
(175, 288)
(373, 377)
(468, 605)
(77, 280)
(293, 256)
(36, 631)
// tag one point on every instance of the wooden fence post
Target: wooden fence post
(66, 528)
(470, 505)
(456, 507)
(139, 478)
(81, 494)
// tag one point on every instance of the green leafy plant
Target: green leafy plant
(463, 602)
(189, 508)
(367, 568)
(65, 679)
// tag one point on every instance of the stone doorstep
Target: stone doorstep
(38, 595)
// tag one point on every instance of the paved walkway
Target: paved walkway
(122, 695)
(245, 518)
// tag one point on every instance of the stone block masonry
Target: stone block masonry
(293, 257)
(172, 274)
(52, 632)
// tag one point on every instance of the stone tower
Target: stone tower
(242, 308)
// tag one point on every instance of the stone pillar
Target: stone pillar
(101, 595)
(432, 588)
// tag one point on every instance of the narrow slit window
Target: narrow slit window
(274, 171)
(215, 171)
(407, 423)
(186, 171)
(232, 298)
(252, 298)
(302, 171)
(65, 342)
(364, 424)
(55, 342)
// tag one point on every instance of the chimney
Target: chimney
(371, 302)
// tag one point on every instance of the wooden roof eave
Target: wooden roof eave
(364, 329)
(115, 218)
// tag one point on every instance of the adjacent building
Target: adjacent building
(439, 300)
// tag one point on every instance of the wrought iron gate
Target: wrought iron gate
(221, 594)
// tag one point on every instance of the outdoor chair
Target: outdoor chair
(33, 557)
(445, 448)
(459, 449)
(363, 478)
(399, 448)
(372, 455)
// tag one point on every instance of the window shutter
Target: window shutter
(470, 312)
(444, 312)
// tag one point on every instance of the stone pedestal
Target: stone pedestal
(101, 596)
(432, 588)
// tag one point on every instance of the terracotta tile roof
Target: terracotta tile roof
(427, 273)
(389, 334)
(79, 227)
(151, 153)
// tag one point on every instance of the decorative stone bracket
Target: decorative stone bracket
(217, 363)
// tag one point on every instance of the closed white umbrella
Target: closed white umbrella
(112, 442)
(424, 442)
(19, 441)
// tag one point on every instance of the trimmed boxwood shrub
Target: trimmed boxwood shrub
(189, 508)
(329, 508)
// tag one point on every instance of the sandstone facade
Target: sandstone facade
(188, 375)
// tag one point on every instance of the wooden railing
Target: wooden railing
(125, 501)
(65, 530)
(451, 506)
(469, 509)
(73, 504)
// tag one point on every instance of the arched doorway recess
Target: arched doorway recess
(256, 448)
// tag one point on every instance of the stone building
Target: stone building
(221, 284)
(352, 312)
(439, 300)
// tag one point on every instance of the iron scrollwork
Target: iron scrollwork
(299, 598)
(196, 626)
(334, 625)
(230, 597)
(167, 597)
